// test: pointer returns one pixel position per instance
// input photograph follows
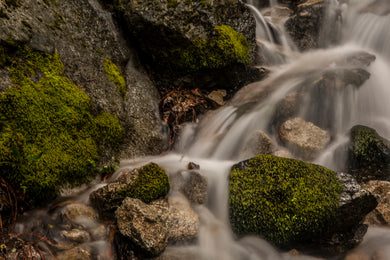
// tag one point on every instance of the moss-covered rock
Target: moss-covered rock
(283, 200)
(49, 134)
(185, 40)
(368, 154)
(147, 184)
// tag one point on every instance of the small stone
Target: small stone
(195, 188)
(77, 210)
(145, 225)
(76, 235)
(217, 96)
(304, 138)
(183, 221)
(76, 253)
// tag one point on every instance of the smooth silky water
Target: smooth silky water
(219, 139)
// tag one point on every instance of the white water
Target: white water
(221, 135)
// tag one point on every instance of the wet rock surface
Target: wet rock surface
(381, 214)
(145, 225)
(304, 26)
(368, 154)
(84, 35)
(183, 27)
(183, 221)
(303, 138)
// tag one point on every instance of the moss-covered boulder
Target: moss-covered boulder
(147, 183)
(283, 200)
(49, 133)
(368, 154)
(294, 204)
(77, 92)
(192, 41)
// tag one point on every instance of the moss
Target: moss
(368, 148)
(225, 46)
(110, 129)
(49, 137)
(115, 76)
(151, 183)
(172, 3)
(284, 200)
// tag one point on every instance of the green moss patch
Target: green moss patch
(368, 148)
(151, 183)
(225, 47)
(286, 201)
(48, 136)
(115, 76)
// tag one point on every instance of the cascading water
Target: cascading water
(222, 136)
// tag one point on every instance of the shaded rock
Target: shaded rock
(145, 225)
(193, 166)
(324, 92)
(78, 210)
(192, 184)
(358, 59)
(368, 154)
(348, 229)
(76, 235)
(287, 108)
(189, 35)
(317, 98)
(303, 138)
(380, 216)
(147, 183)
(183, 221)
(379, 7)
(76, 253)
(258, 143)
(179, 253)
(304, 25)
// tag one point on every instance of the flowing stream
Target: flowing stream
(220, 139)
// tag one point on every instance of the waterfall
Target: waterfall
(221, 138)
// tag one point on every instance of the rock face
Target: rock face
(368, 154)
(193, 37)
(183, 221)
(294, 195)
(304, 26)
(348, 229)
(147, 183)
(90, 54)
(144, 225)
(76, 210)
(303, 138)
(192, 184)
(380, 216)
(316, 99)
(259, 143)
(85, 35)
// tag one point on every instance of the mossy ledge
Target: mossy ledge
(225, 47)
(286, 201)
(115, 76)
(49, 135)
